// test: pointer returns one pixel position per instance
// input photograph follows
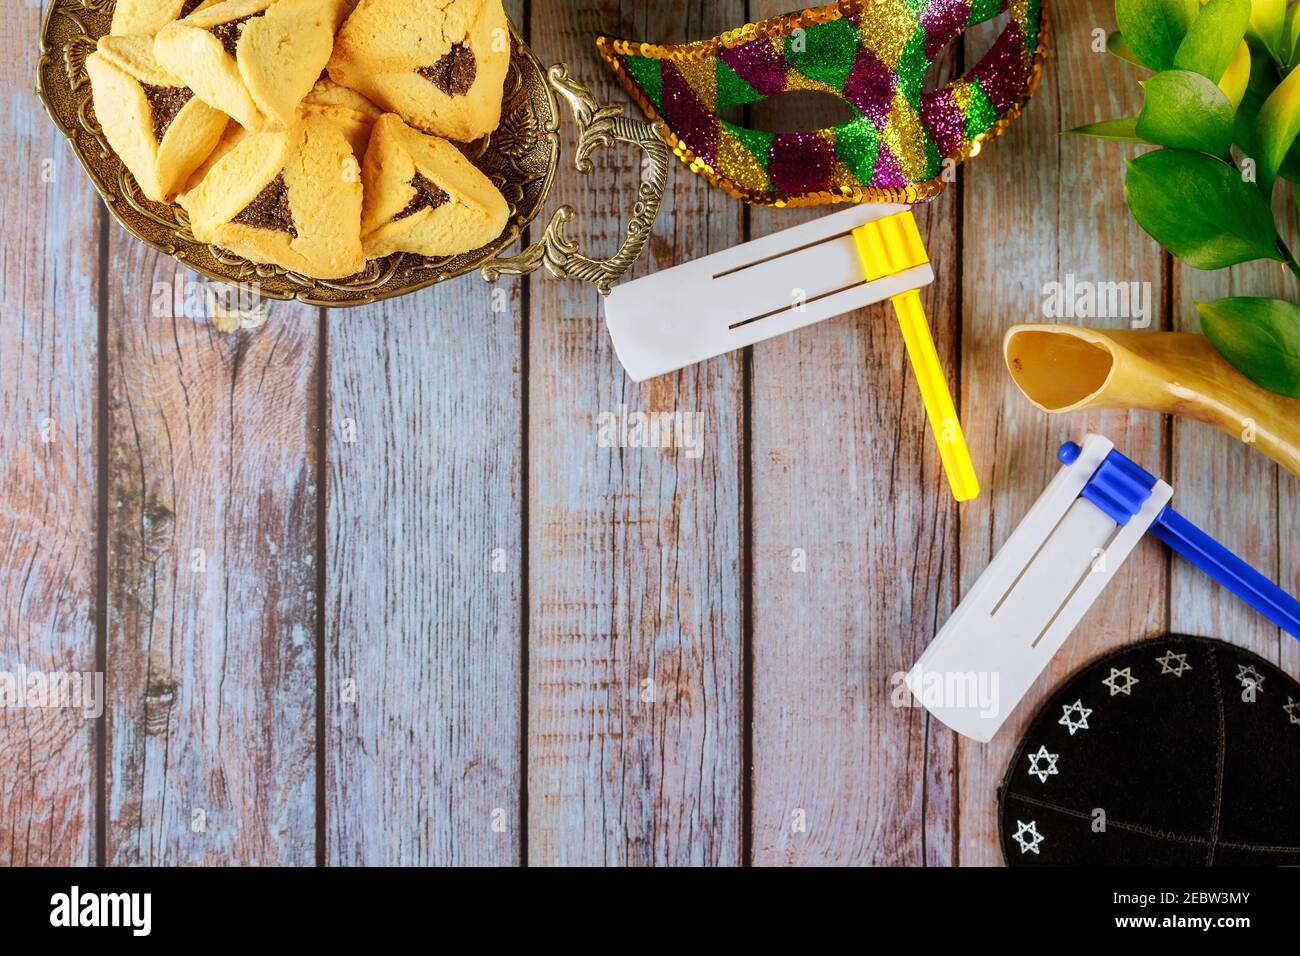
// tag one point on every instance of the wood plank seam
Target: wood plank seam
(102, 483)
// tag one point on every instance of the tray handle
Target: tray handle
(598, 127)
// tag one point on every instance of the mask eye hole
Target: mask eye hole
(798, 111)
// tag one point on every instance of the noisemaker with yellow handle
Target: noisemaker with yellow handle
(786, 281)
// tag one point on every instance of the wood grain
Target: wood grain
(424, 564)
(854, 563)
(423, 604)
(212, 577)
(1040, 207)
(634, 553)
(49, 282)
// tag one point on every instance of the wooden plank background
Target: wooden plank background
(367, 587)
(49, 381)
(854, 536)
(1038, 208)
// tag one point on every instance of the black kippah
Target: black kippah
(1179, 751)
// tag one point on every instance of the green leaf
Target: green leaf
(1263, 79)
(1116, 45)
(1237, 76)
(1260, 338)
(1200, 209)
(1291, 33)
(1247, 140)
(1153, 29)
(1187, 111)
(1116, 130)
(1267, 22)
(1213, 38)
(1278, 125)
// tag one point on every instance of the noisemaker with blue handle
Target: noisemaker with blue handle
(1051, 570)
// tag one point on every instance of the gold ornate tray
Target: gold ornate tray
(521, 157)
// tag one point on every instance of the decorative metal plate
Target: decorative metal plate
(521, 157)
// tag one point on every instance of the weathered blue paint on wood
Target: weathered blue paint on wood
(423, 603)
(635, 650)
(49, 279)
(211, 577)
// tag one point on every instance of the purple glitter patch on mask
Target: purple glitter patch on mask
(1002, 72)
(889, 174)
(944, 21)
(870, 86)
(759, 65)
(687, 116)
(801, 163)
(943, 121)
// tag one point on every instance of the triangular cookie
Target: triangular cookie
(289, 197)
(349, 110)
(438, 64)
(147, 17)
(234, 134)
(153, 121)
(253, 59)
(423, 196)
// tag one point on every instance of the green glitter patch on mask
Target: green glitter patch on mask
(912, 66)
(732, 88)
(648, 75)
(756, 141)
(933, 161)
(982, 10)
(1034, 16)
(857, 144)
(824, 52)
(916, 7)
(980, 114)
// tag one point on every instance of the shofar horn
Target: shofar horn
(1064, 368)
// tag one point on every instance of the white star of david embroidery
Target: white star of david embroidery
(1042, 773)
(1249, 677)
(1027, 836)
(1292, 708)
(1120, 682)
(1172, 663)
(1076, 708)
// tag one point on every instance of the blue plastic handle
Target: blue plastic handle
(1229, 570)
(1120, 488)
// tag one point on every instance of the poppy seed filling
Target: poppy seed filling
(427, 196)
(230, 32)
(270, 209)
(164, 103)
(454, 72)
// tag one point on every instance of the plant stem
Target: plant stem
(1290, 260)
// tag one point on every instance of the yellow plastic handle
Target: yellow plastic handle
(948, 435)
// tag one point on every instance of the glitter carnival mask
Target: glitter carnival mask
(873, 55)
